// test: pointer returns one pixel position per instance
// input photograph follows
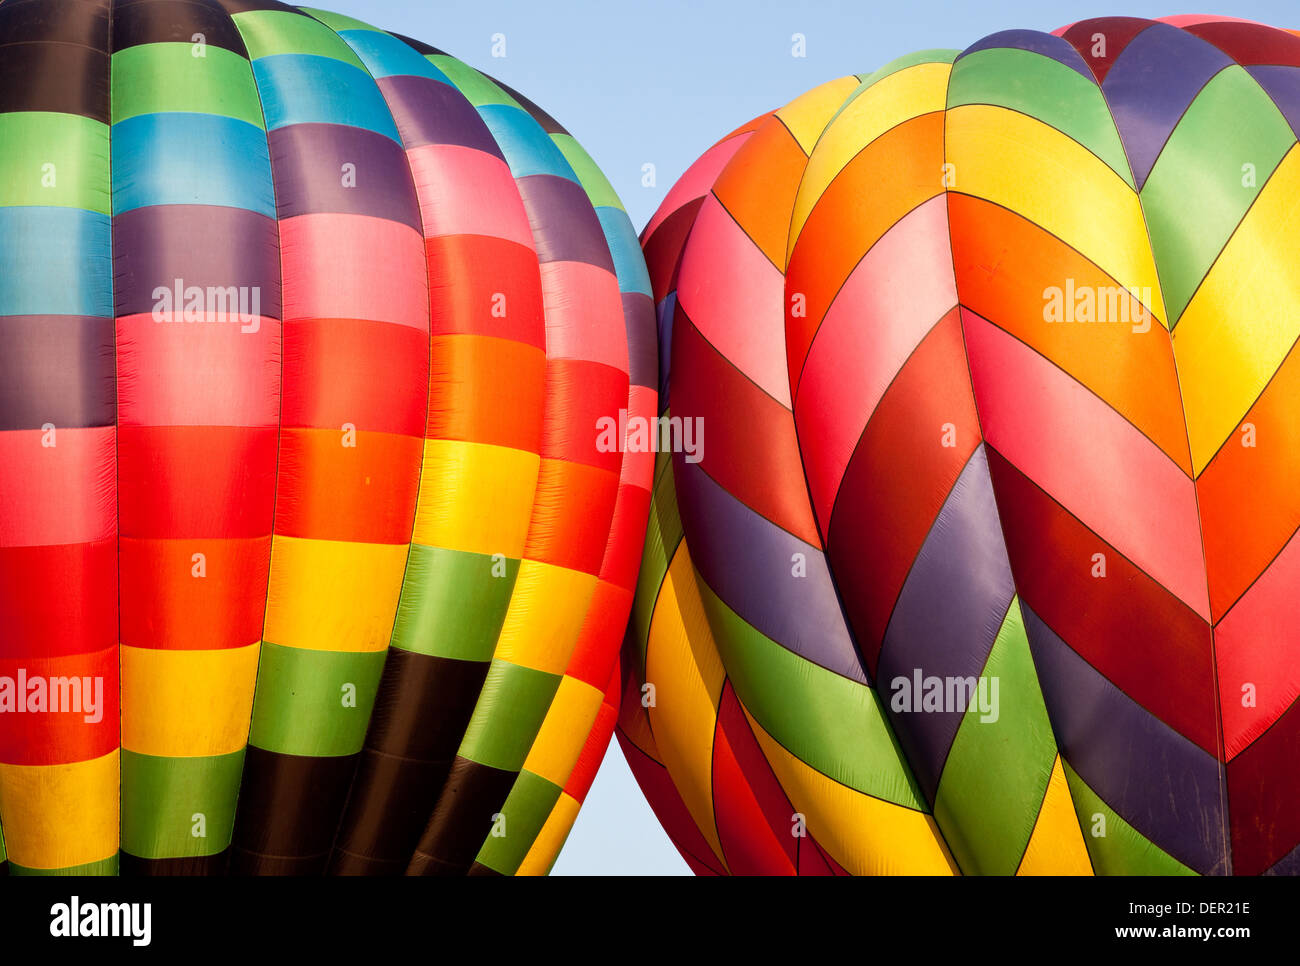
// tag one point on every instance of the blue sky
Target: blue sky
(657, 83)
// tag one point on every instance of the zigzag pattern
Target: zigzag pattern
(998, 343)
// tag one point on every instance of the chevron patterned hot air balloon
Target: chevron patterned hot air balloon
(991, 560)
(309, 556)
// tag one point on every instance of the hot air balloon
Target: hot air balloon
(988, 563)
(310, 559)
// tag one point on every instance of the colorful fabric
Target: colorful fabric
(990, 560)
(305, 333)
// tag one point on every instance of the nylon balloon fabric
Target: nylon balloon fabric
(987, 563)
(310, 557)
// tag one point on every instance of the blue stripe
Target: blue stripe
(527, 148)
(629, 263)
(386, 56)
(191, 159)
(306, 89)
(55, 261)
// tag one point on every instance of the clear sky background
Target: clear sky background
(657, 82)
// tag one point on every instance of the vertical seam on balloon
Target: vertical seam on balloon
(275, 496)
(492, 660)
(415, 510)
(117, 443)
(1221, 763)
(983, 444)
(611, 551)
(899, 756)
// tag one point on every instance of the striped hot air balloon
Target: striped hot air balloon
(310, 556)
(991, 559)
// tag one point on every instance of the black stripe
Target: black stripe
(421, 710)
(137, 22)
(463, 819)
(288, 812)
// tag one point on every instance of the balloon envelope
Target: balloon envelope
(309, 558)
(989, 560)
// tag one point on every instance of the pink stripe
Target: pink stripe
(65, 493)
(698, 179)
(197, 373)
(1258, 643)
(1089, 458)
(892, 299)
(1192, 19)
(639, 467)
(577, 297)
(736, 298)
(339, 266)
(464, 191)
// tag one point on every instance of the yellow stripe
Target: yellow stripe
(867, 836)
(547, 610)
(475, 497)
(889, 102)
(564, 731)
(1056, 846)
(683, 664)
(1033, 169)
(541, 854)
(1238, 329)
(806, 116)
(184, 704)
(56, 816)
(330, 595)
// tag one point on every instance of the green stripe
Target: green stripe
(1194, 198)
(453, 603)
(163, 798)
(934, 56)
(594, 182)
(99, 867)
(314, 703)
(998, 767)
(526, 809)
(1045, 89)
(510, 709)
(338, 21)
(473, 86)
(1122, 850)
(157, 78)
(270, 32)
(55, 160)
(663, 535)
(834, 724)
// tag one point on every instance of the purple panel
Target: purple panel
(948, 614)
(1282, 84)
(747, 560)
(204, 245)
(427, 111)
(1151, 85)
(1287, 865)
(308, 162)
(667, 310)
(642, 347)
(57, 369)
(1035, 42)
(564, 224)
(1155, 779)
